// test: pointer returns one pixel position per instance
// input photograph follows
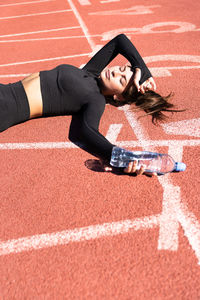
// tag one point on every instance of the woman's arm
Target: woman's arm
(119, 45)
(84, 130)
(84, 133)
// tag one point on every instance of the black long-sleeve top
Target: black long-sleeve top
(68, 90)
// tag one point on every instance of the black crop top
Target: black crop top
(68, 90)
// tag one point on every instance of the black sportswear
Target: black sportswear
(14, 106)
(68, 90)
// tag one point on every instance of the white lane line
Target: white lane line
(176, 68)
(173, 57)
(159, 143)
(134, 10)
(113, 132)
(175, 207)
(39, 31)
(136, 127)
(129, 144)
(169, 224)
(82, 24)
(47, 145)
(44, 59)
(24, 3)
(108, 1)
(191, 228)
(176, 151)
(84, 2)
(76, 235)
(53, 38)
(37, 14)
(185, 127)
(42, 39)
(173, 210)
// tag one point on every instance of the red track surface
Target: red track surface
(68, 232)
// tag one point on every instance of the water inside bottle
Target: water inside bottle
(160, 164)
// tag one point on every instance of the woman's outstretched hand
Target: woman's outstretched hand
(148, 85)
(132, 168)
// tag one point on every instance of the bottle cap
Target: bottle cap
(179, 166)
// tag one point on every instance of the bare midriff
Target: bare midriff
(33, 91)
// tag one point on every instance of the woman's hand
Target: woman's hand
(132, 168)
(148, 85)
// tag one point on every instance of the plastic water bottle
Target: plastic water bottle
(153, 162)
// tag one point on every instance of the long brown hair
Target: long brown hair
(150, 102)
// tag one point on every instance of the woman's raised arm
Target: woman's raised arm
(119, 45)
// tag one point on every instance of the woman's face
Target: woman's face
(115, 79)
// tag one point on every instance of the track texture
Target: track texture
(68, 232)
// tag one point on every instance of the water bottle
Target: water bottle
(153, 162)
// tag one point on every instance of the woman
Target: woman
(83, 93)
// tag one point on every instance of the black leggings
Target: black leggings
(14, 106)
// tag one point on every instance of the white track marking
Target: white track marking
(128, 144)
(182, 27)
(107, 36)
(169, 224)
(76, 36)
(39, 31)
(42, 39)
(25, 3)
(191, 228)
(136, 126)
(169, 221)
(113, 132)
(37, 14)
(82, 24)
(41, 241)
(151, 29)
(185, 127)
(186, 219)
(76, 235)
(160, 71)
(50, 38)
(44, 59)
(158, 143)
(172, 206)
(108, 1)
(84, 2)
(173, 57)
(156, 72)
(47, 145)
(134, 10)
(176, 68)
(57, 37)
(176, 151)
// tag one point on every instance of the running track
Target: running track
(68, 232)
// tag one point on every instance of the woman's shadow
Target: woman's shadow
(96, 165)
